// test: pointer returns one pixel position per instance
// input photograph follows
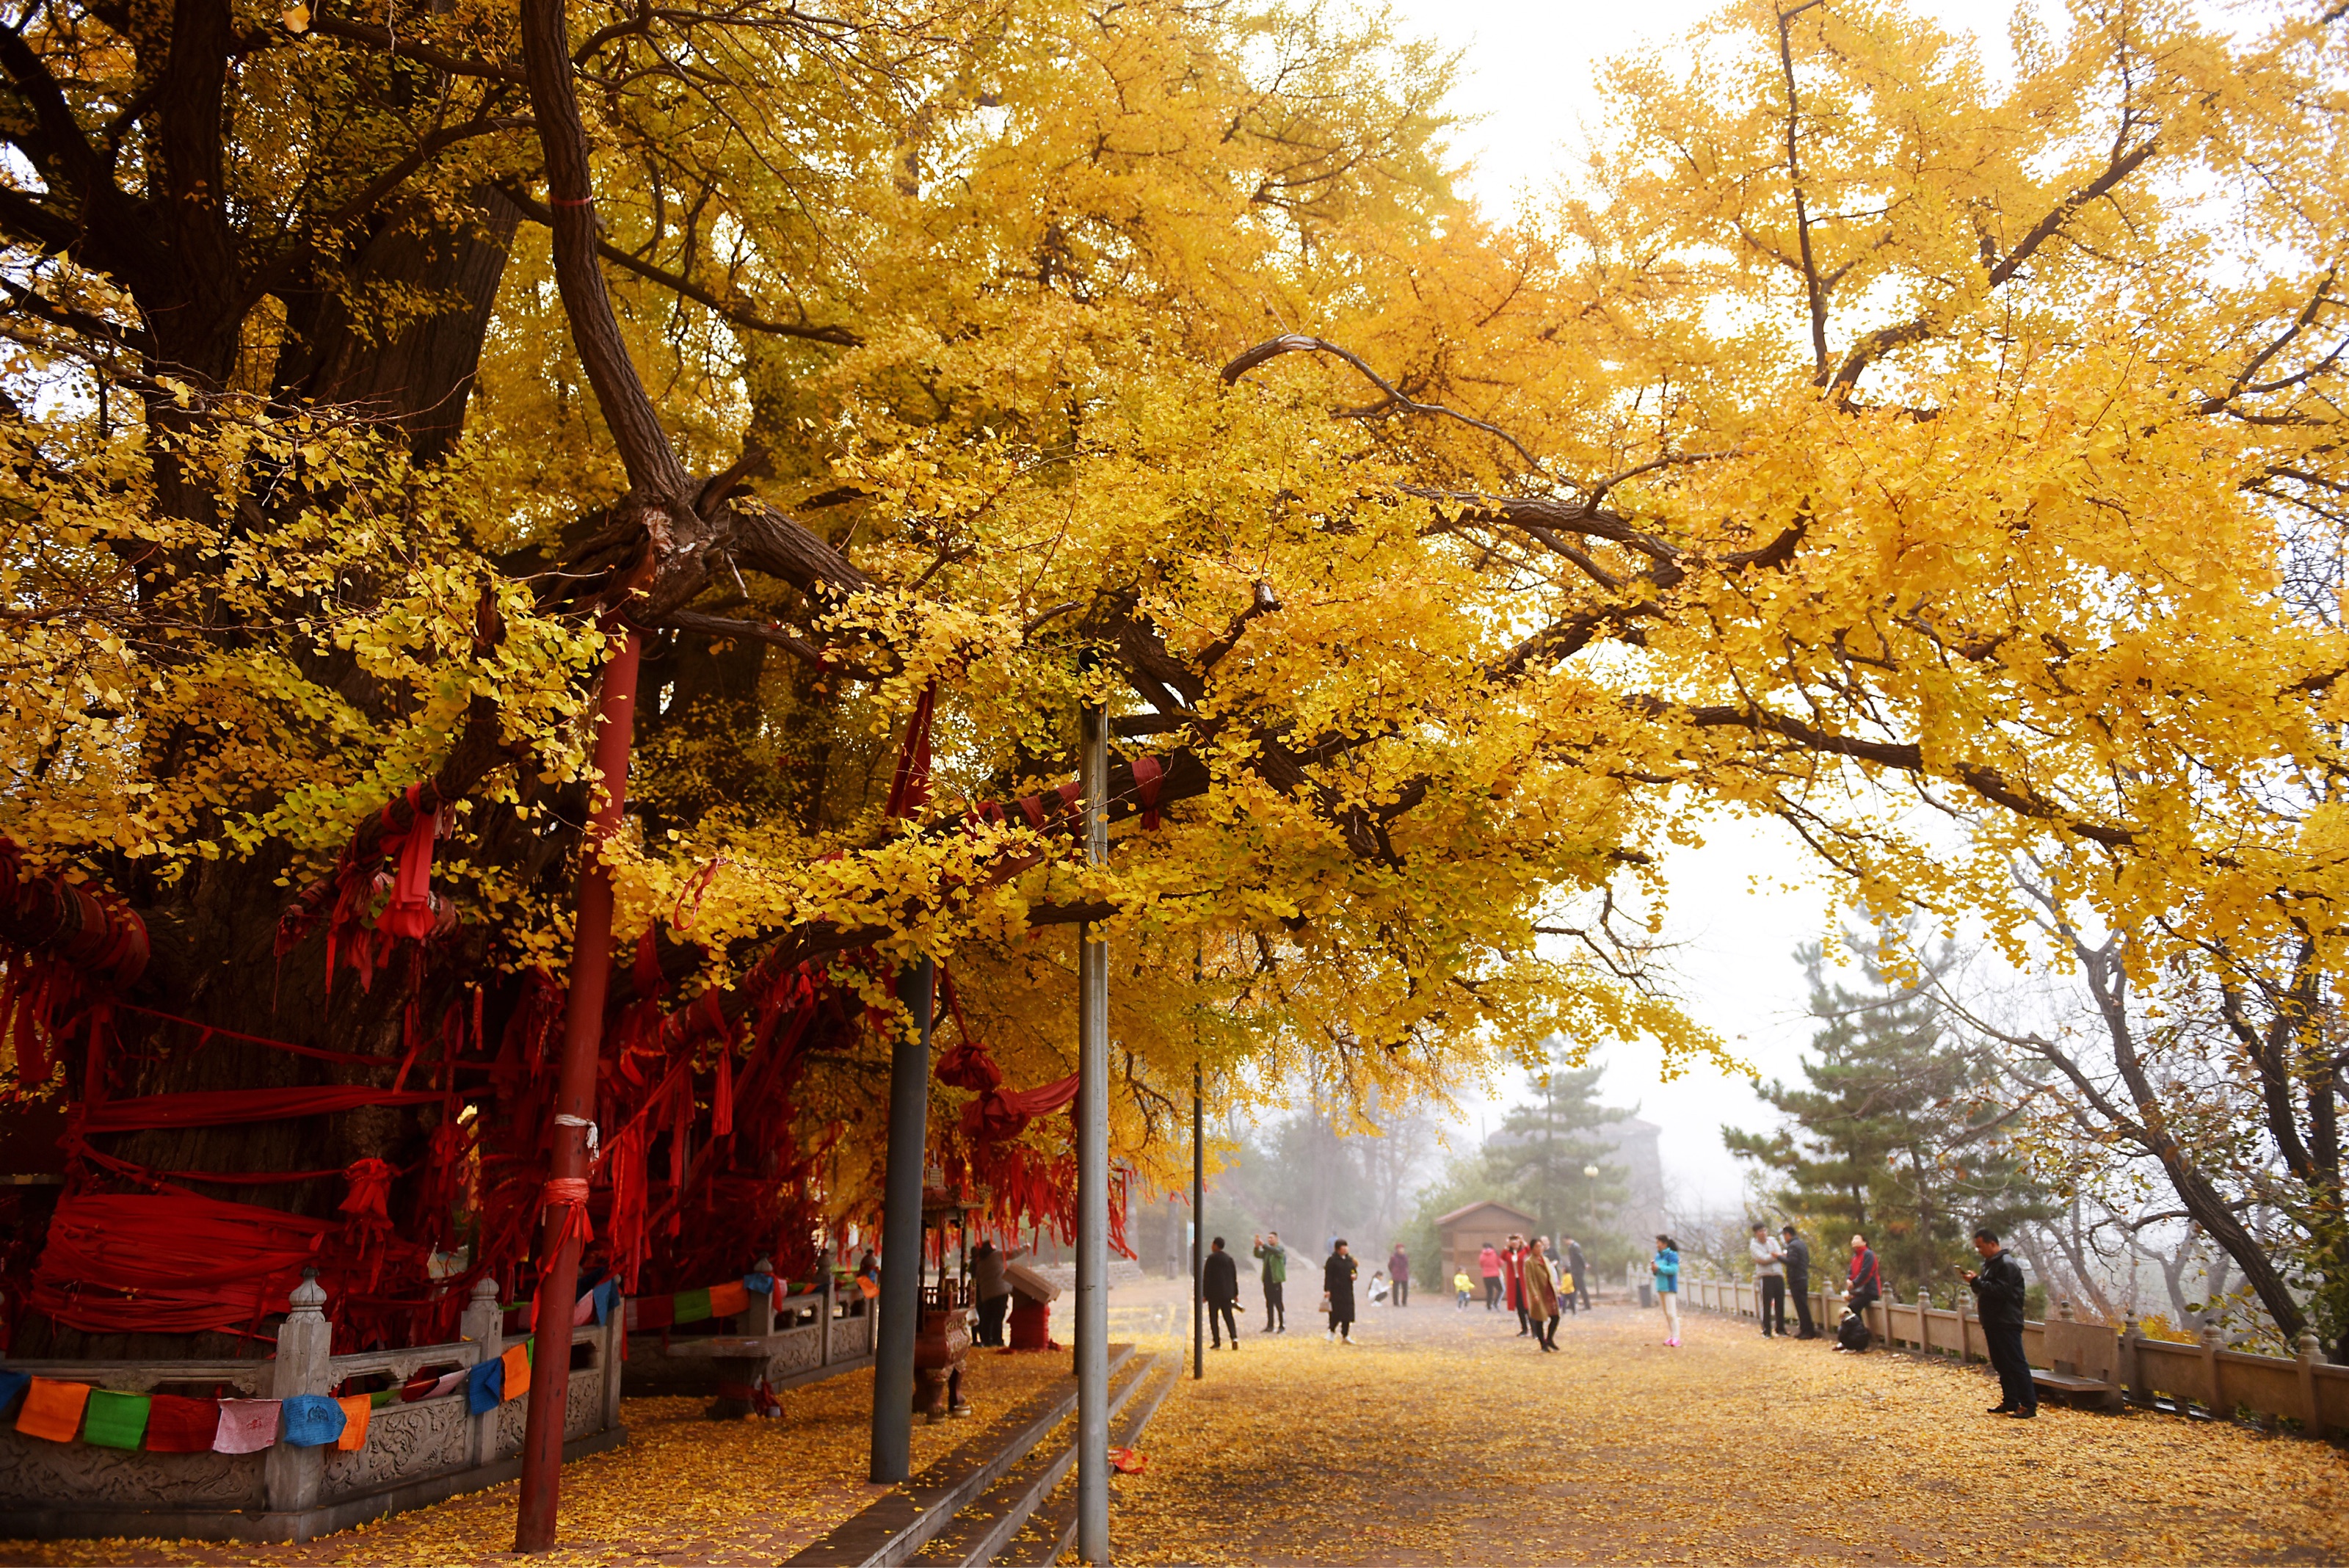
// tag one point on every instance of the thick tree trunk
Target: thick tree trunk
(422, 377)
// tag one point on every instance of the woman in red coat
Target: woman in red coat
(1513, 1267)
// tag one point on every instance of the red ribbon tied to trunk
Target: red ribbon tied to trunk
(568, 1193)
(368, 1202)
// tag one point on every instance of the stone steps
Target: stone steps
(991, 1522)
(1051, 1530)
(892, 1529)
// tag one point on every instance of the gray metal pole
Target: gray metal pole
(1198, 1234)
(1092, 1172)
(901, 1235)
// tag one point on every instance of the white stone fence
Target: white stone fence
(415, 1454)
(2126, 1364)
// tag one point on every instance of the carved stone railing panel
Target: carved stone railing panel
(583, 1414)
(404, 1443)
(795, 1351)
(36, 1473)
(512, 1416)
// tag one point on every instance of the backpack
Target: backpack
(1853, 1334)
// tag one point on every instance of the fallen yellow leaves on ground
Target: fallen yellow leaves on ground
(685, 1489)
(1440, 1437)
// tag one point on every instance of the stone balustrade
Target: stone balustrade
(415, 1453)
(2304, 1387)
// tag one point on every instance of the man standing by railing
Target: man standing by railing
(1999, 1288)
(1769, 1278)
(1798, 1279)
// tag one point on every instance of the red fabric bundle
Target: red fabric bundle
(969, 1066)
(409, 913)
(1002, 1114)
(177, 1426)
(220, 1107)
(909, 785)
(168, 1262)
(1147, 774)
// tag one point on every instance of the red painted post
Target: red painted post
(574, 1105)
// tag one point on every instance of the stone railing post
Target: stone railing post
(825, 1307)
(2132, 1367)
(2311, 1355)
(615, 1360)
(2213, 1340)
(484, 1324)
(760, 1319)
(294, 1476)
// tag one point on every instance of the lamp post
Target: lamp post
(1198, 1230)
(1093, 1167)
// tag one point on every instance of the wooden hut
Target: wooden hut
(1463, 1233)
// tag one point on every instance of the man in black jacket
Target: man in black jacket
(1798, 1253)
(1998, 1287)
(1220, 1284)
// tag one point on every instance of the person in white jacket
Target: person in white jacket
(1769, 1277)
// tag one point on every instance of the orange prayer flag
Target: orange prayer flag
(53, 1409)
(728, 1299)
(517, 1362)
(357, 1408)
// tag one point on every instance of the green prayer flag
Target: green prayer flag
(692, 1306)
(382, 1396)
(114, 1421)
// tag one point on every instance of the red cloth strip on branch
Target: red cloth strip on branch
(909, 785)
(220, 1107)
(168, 1262)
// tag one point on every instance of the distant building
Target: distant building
(1464, 1234)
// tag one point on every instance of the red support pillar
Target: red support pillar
(575, 1108)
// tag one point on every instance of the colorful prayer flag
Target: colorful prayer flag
(113, 1420)
(312, 1420)
(53, 1409)
(692, 1306)
(178, 1426)
(517, 1365)
(730, 1298)
(246, 1426)
(359, 1410)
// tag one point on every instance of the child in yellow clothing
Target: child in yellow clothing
(1460, 1285)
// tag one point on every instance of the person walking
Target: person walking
(1399, 1274)
(1338, 1291)
(1666, 1267)
(1998, 1287)
(1462, 1283)
(1798, 1279)
(994, 1291)
(1769, 1278)
(1272, 1258)
(1488, 1263)
(1220, 1285)
(1512, 1275)
(1538, 1291)
(1577, 1275)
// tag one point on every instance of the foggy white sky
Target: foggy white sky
(1741, 904)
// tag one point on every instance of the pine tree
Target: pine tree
(1895, 1136)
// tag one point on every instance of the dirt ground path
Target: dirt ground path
(1442, 1438)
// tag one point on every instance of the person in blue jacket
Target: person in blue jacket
(1667, 1270)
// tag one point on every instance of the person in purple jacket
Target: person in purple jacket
(1399, 1274)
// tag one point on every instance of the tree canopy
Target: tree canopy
(1861, 441)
